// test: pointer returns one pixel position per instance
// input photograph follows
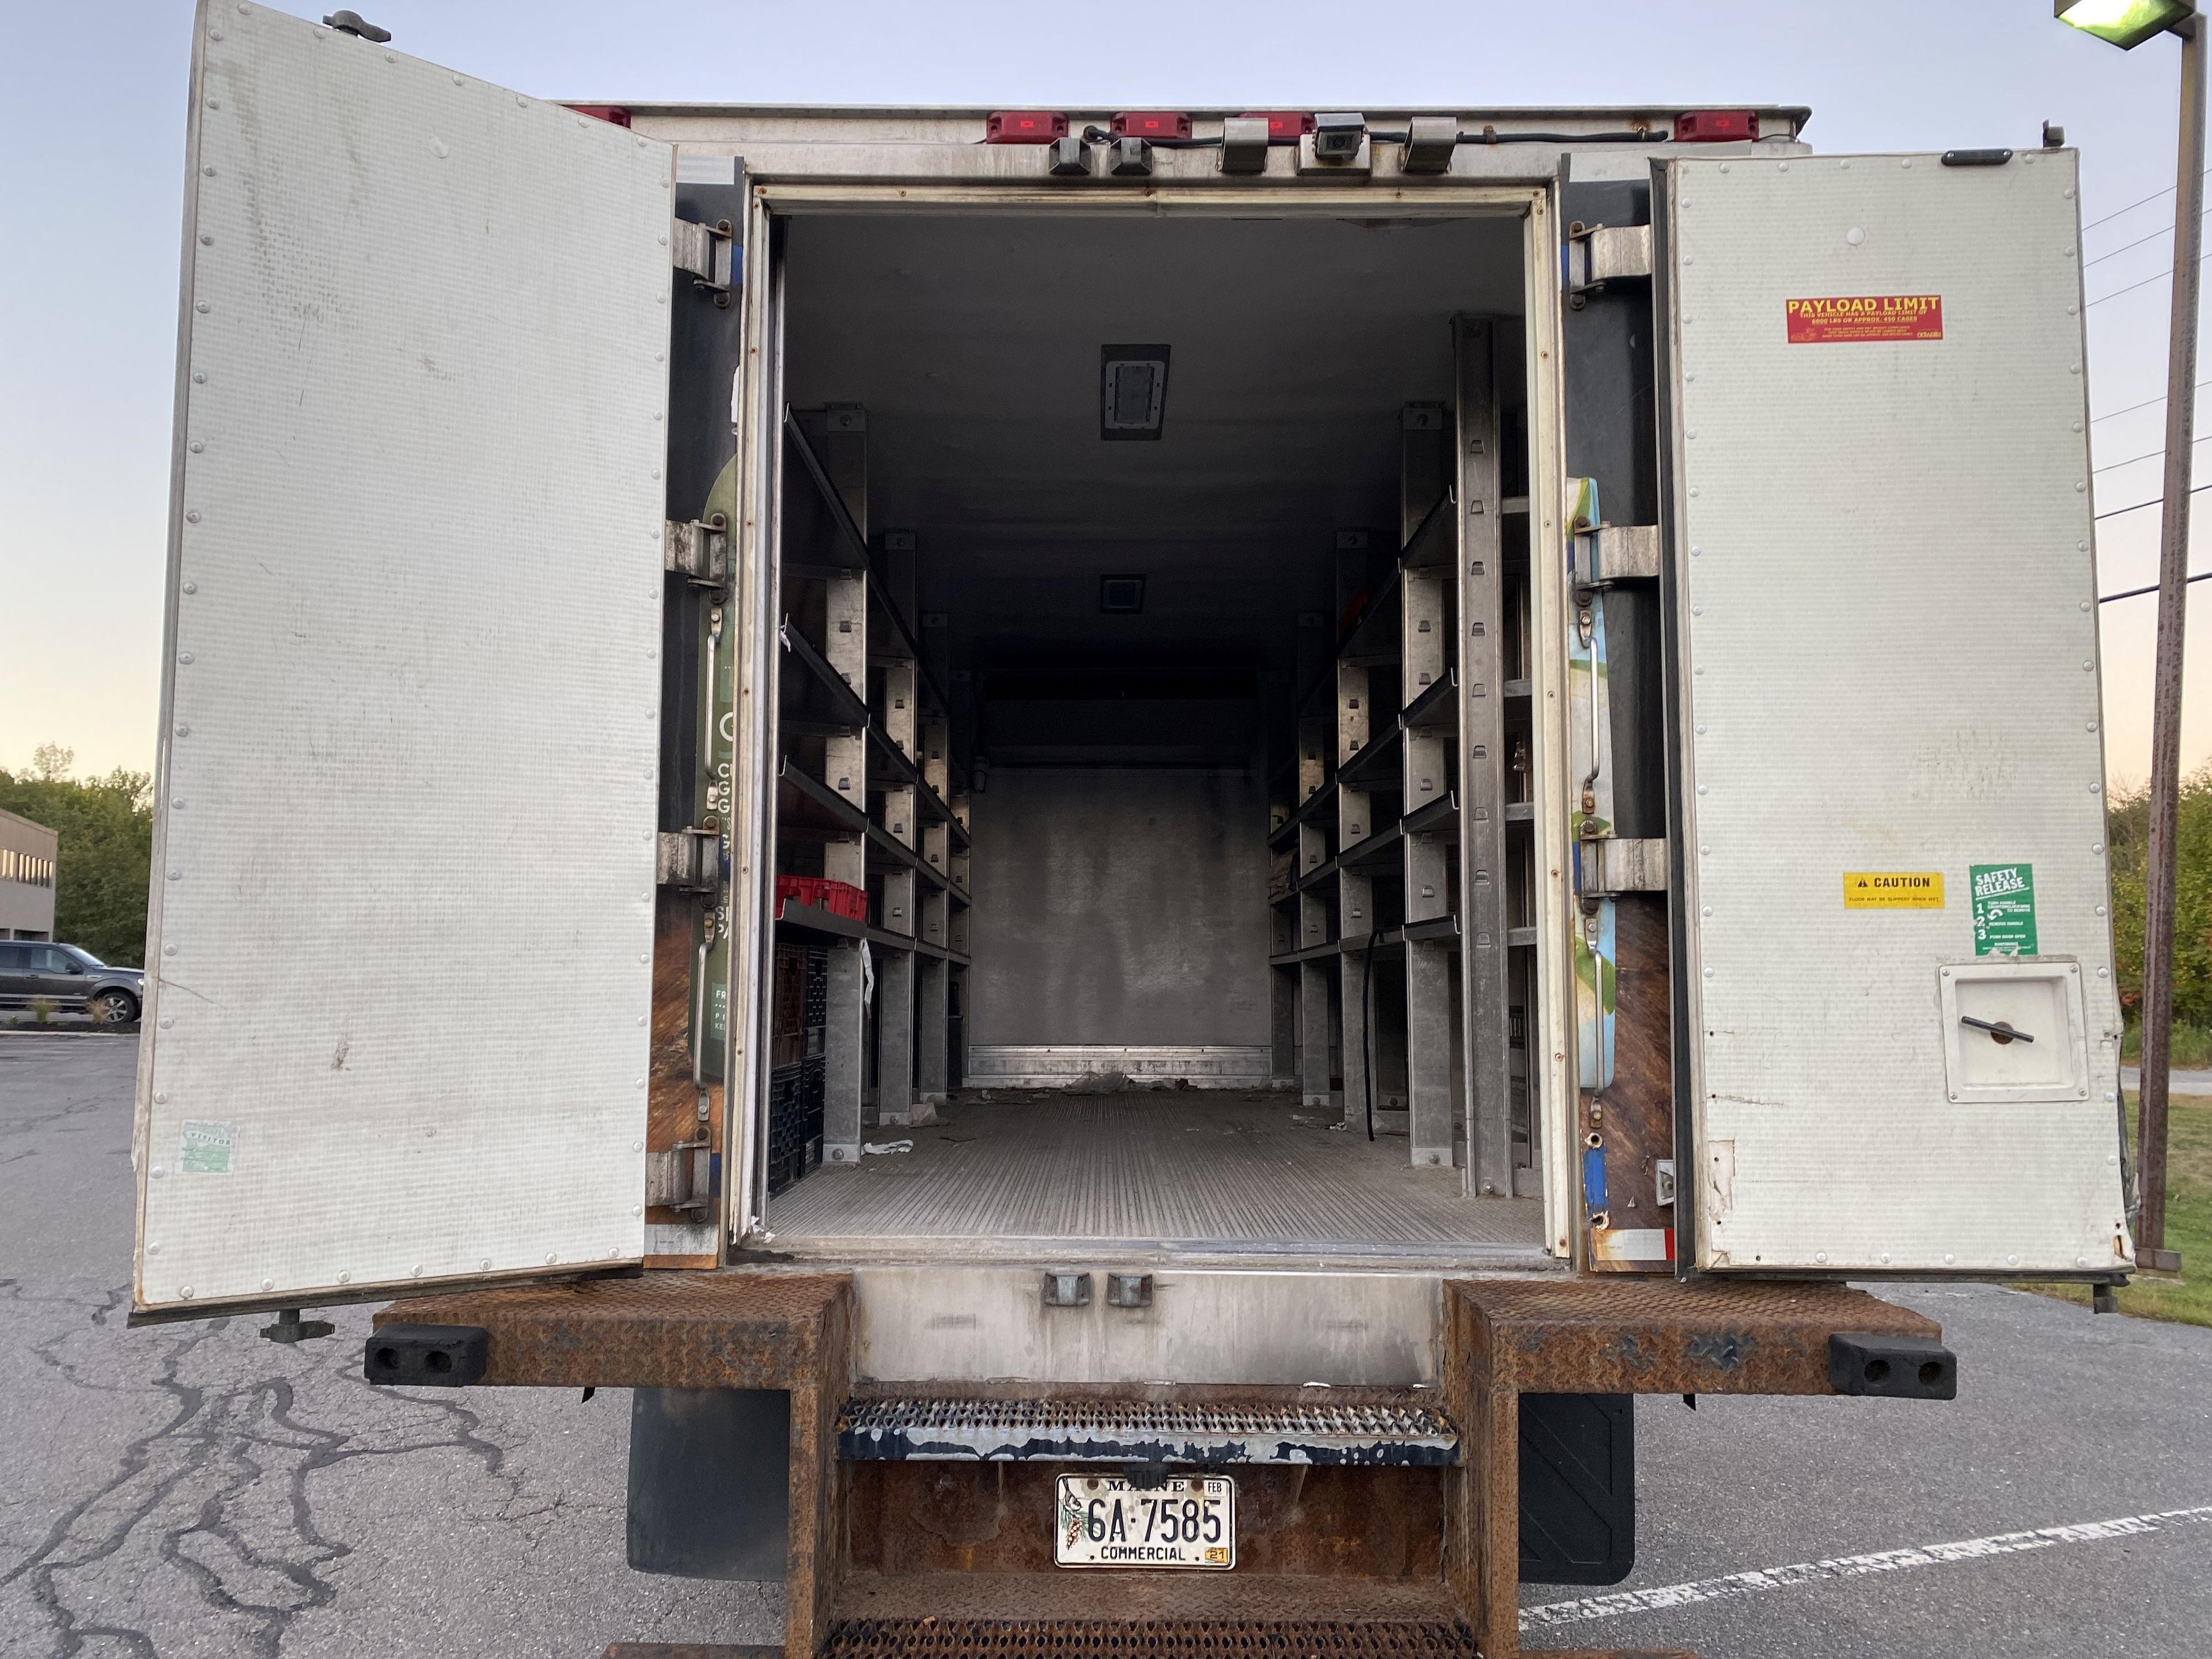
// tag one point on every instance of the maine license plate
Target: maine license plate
(1104, 1521)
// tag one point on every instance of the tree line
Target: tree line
(105, 828)
(2127, 828)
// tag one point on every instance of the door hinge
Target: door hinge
(1613, 864)
(1616, 553)
(708, 253)
(1598, 255)
(698, 549)
(690, 861)
(681, 1178)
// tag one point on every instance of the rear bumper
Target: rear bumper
(868, 1568)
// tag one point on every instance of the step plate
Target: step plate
(1113, 1431)
(1152, 1638)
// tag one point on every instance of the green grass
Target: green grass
(2192, 1046)
(2186, 1297)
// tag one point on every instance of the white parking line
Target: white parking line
(1853, 1566)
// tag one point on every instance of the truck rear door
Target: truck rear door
(1898, 1038)
(399, 951)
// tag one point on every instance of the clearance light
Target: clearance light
(609, 113)
(1284, 126)
(1152, 127)
(2126, 23)
(1716, 126)
(1024, 126)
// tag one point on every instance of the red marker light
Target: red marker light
(1157, 126)
(1024, 126)
(611, 113)
(1284, 126)
(1716, 126)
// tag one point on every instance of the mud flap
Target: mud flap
(1577, 1488)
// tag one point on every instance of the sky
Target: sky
(91, 183)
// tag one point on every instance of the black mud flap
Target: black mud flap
(710, 1482)
(426, 1356)
(1577, 1488)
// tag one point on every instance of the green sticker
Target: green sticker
(206, 1150)
(2004, 908)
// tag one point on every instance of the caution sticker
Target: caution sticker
(1893, 890)
(1865, 317)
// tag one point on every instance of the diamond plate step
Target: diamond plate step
(1116, 1431)
(1174, 1638)
(1151, 1638)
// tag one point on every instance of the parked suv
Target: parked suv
(74, 980)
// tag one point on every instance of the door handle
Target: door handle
(1999, 1030)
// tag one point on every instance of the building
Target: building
(26, 878)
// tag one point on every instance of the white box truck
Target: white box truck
(1136, 849)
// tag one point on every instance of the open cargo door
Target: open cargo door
(1898, 1040)
(399, 952)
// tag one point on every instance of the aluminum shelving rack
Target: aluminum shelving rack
(1403, 828)
(866, 791)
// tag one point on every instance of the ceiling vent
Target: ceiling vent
(1121, 595)
(1132, 391)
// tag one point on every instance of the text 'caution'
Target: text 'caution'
(1893, 890)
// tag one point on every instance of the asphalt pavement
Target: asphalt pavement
(191, 1490)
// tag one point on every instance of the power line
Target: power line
(2139, 506)
(2137, 592)
(2163, 230)
(2132, 206)
(2145, 403)
(2131, 287)
(2152, 455)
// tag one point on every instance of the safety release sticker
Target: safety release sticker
(2004, 909)
(1865, 317)
(1893, 890)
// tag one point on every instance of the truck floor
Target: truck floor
(1253, 1171)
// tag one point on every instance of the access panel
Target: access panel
(404, 869)
(1898, 1037)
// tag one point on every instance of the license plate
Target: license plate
(1104, 1521)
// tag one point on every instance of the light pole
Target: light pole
(2128, 23)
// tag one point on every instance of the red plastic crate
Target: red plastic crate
(839, 898)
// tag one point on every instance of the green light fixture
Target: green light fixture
(2126, 23)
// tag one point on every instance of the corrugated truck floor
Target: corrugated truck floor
(1182, 1166)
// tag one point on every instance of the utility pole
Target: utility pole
(2173, 612)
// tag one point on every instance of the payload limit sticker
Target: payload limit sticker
(1865, 316)
(1893, 890)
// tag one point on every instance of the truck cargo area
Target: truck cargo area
(1091, 528)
